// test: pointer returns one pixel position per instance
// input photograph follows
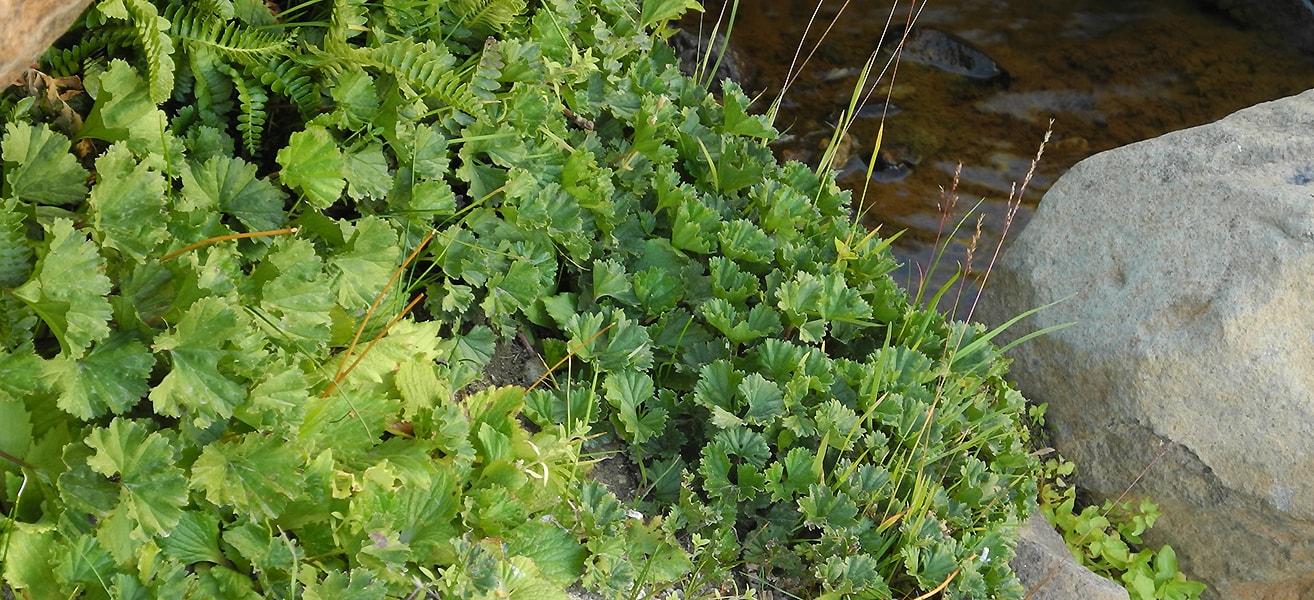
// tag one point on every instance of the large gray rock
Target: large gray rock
(1187, 263)
(27, 27)
(1048, 572)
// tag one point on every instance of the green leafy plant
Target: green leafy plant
(1107, 539)
(263, 373)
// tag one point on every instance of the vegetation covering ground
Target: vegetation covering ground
(253, 265)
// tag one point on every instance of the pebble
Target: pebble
(949, 53)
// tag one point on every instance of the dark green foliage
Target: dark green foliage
(794, 420)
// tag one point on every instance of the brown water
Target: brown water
(1109, 72)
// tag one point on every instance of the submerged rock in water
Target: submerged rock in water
(878, 110)
(892, 166)
(1293, 20)
(693, 51)
(1041, 105)
(949, 53)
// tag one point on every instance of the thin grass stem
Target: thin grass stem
(573, 351)
(1014, 203)
(342, 373)
(224, 238)
(360, 330)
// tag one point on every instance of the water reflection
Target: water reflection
(1109, 72)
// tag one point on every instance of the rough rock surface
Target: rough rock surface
(1048, 572)
(28, 27)
(1187, 263)
(1293, 19)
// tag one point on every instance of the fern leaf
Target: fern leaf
(99, 41)
(153, 35)
(230, 39)
(420, 66)
(251, 121)
(412, 18)
(483, 83)
(210, 83)
(487, 15)
(346, 21)
(290, 79)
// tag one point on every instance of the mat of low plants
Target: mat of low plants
(255, 259)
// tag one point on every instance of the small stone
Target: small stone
(692, 50)
(1047, 571)
(949, 53)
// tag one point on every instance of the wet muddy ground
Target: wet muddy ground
(1108, 72)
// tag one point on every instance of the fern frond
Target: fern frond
(291, 79)
(211, 84)
(231, 39)
(251, 121)
(483, 83)
(412, 18)
(223, 9)
(101, 40)
(487, 15)
(153, 35)
(420, 66)
(346, 21)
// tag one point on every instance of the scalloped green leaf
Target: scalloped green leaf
(516, 289)
(313, 163)
(717, 385)
(152, 487)
(195, 539)
(296, 298)
(69, 289)
(39, 167)
(627, 346)
(742, 240)
(197, 385)
(827, 510)
(695, 227)
(366, 172)
(125, 112)
(423, 513)
(554, 550)
(737, 119)
(366, 262)
(657, 291)
(765, 400)
(609, 279)
(128, 204)
(356, 98)
(630, 393)
(30, 551)
(656, 12)
(112, 377)
(255, 476)
(800, 297)
(15, 433)
(229, 184)
(839, 302)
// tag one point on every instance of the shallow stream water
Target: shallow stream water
(1108, 72)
